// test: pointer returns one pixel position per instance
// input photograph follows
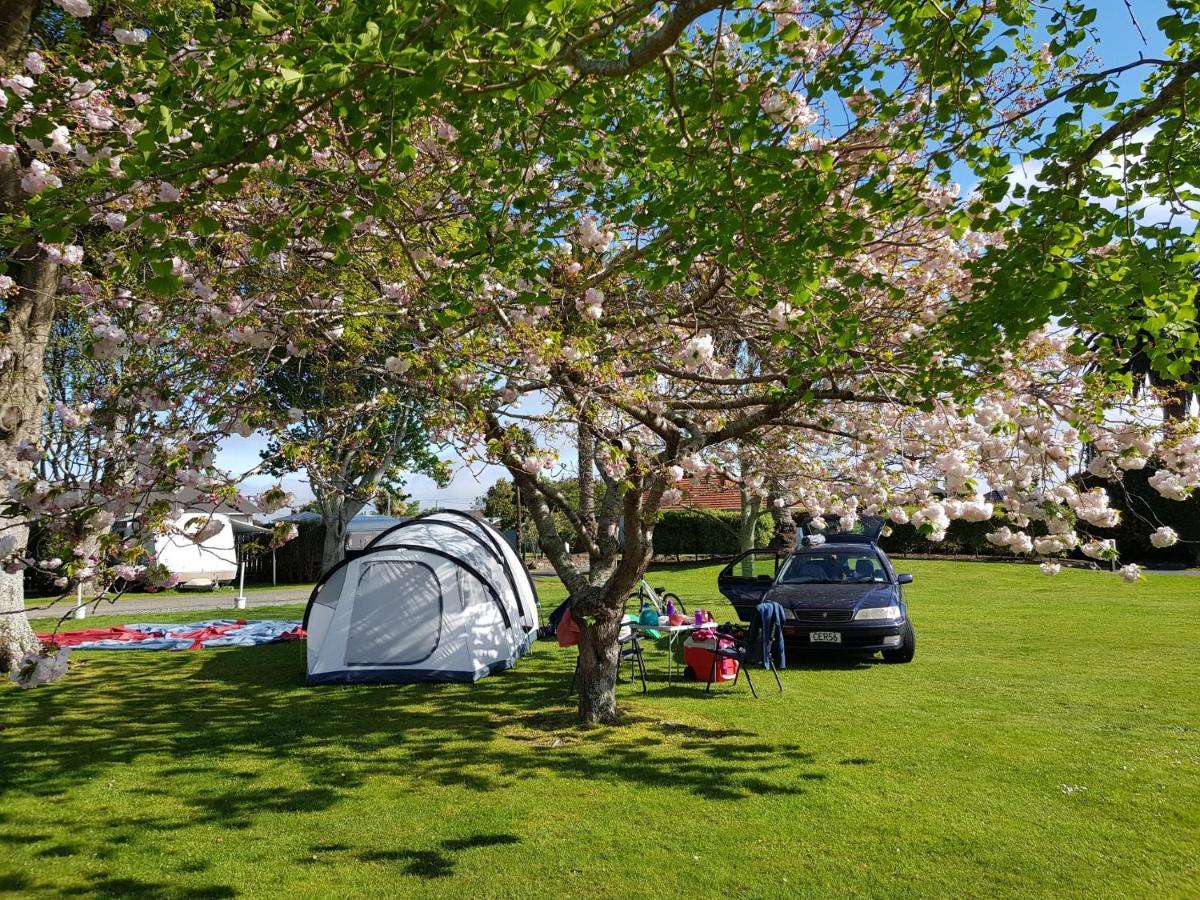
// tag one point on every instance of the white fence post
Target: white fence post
(239, 602)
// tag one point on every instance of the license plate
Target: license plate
(825, 637)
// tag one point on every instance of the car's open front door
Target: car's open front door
(747, 578)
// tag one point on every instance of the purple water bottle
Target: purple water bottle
(699, 617)
(670, 608)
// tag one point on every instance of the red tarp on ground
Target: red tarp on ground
(188, 636)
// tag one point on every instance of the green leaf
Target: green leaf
(263, 19)
(164, 285)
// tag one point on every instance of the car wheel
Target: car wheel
(904, 653)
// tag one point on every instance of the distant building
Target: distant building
(707, 492)
(710, 492)
(364, 528)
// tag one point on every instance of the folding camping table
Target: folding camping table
(671, 631)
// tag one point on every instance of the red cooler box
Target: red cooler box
(698, 657)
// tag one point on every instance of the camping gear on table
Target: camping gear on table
(648, 618)
(439, 597)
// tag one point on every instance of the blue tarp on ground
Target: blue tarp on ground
(185, 636)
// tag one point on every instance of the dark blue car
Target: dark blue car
(841, 594)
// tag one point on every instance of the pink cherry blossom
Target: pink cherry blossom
(397, 365)
(591, 304)
(1164, 537)
(77, 8)
(38, 178)
(130, 37)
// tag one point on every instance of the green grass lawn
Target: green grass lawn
(1045, 742)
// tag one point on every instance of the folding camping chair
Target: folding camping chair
(744, 650)
(631, 649)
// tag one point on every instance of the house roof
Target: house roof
(189, 499)
(710, 492)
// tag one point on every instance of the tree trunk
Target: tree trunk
(333, 547)
(25, 332)
(16, 16)
(784, 537)
(336, 513)
(599, 660)
(1175, 406)
(747, 526)
(748, 522)
(16, 637)
(599, 610)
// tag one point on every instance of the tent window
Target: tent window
(329, 593)
(397, 615)
(472, 591)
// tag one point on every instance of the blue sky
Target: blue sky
(1118, 43)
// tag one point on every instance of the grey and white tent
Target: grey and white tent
(439, 597)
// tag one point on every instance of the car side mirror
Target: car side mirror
(764, 579)
(904, 579)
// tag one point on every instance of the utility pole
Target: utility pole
(520, 530)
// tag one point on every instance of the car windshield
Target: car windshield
(829, 566)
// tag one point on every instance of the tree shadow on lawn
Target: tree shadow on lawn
(226, 741)
(439, 863)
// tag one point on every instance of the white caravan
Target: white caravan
(199, 547)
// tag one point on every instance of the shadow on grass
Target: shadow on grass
(819, 660)
(215, 737)
(438, 863)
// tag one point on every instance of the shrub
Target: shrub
(704, 532)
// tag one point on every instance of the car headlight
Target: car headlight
(877, 612)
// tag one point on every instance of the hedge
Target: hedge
(1142, 510)
(962, 538)
(696, 532)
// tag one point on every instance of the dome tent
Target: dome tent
(440, 597)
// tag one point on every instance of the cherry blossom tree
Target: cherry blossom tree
(651, 232)
(350, 429)
(109, 126)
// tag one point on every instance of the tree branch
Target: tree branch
(654, 45)
(1132, 122)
